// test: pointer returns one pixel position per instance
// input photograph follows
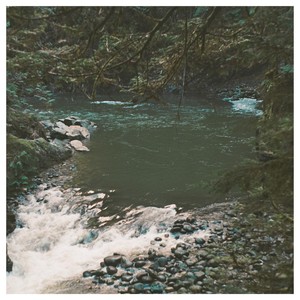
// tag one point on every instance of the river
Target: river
(144, 165)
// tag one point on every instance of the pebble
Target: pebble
(157, 288)
(138, 287)
(194, 265)
(140, 263)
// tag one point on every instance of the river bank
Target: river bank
(221, 248)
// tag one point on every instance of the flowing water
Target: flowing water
(143, 162)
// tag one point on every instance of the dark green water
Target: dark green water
(149, 157)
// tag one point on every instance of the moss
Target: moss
(25, 158)
(23, 125)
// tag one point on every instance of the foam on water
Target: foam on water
(53, 242)
(111, 102)
(246, 105)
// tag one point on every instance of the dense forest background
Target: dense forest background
(148, 51)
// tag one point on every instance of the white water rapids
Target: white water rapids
(52, 242)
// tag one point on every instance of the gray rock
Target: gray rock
(138, 287)
(111, 270)
(78, 146)
(113, 260)
(191, 261)
(69, 120)
(162, 261)
(199, 275)
(213, 263)
(75, 132)
(146, 279)
(161, 277)
(195, 289)
(182, 290)
(187, 228)
(179, 252)
(126, 277)
(140, 263)
(169, 289)
(157, 288)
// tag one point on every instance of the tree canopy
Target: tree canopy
(142, 50)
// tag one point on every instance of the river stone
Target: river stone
(87, 274)
(78, 146)
(213, 263)
(187, 228)
(199, 241)
(169, 289)
(179, 252)
(113, 260)
(157, 288)
(152, 253)
(146, 279)
(139, 263)
(69, 120)
(176, 229)
(126, 263)
(111, 270)
(59, 130)
(126, 277)
(138, 287)
(182, 290)
(199, 275)
(195, 289)
(162, 261)
(191, 261)
(75, 132)
(161, 277)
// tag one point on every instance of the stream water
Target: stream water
(143, 162)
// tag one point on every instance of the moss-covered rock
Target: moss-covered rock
(24, 125)
(25, 158)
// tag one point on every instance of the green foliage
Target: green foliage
(16, 167)
(287, 69)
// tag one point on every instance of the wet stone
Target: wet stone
(111, 270)
(182, 290)
(87, 274)
(140, 263)
(162, 261)
(187, 228)
(213, 263)
(199, 275)
(199, 241)
(195, 289)
(191, 261)
(113, 260)
(169, 289)
(176, 229)
(138, 287)
(158, 239)
(126, 277)
(179, 253)
(122, 289)
(152, 253)
(157, 288)
(161, 278)
(146, 279)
